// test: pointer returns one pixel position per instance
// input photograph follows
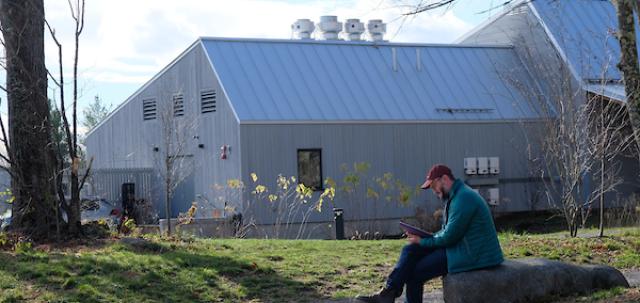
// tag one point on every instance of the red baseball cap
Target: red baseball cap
(435, 172)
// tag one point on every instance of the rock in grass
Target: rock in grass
(529, 280)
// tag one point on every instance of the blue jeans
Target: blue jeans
(415, 266)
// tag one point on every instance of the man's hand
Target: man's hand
(413, 239)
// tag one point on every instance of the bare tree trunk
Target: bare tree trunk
(602, 167)
(629, 61)
(167, 196)
(74, 216)
(602, 164)
(71, 207)
(33, 159)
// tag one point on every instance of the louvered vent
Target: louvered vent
(178, 105)
(208, 101)
(149, 109)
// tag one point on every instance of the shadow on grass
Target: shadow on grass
(545, 222)
(541, 222)
(174, 275)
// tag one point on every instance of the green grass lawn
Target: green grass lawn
(253, 270)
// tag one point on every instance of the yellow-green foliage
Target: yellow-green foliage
(7, 193)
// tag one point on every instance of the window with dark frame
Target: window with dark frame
(310, 168)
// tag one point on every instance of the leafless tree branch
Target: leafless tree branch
(5, 141)
(176, 132)
(60, 84)
(421, 8)
(53, 78)
(87, 173)
(584, 134)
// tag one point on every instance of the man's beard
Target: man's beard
(445, 196)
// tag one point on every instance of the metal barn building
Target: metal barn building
(577, 34)
(309, 108)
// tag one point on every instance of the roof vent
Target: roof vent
(354, 28)
(376, 29)
(330, 27)
(303, 28)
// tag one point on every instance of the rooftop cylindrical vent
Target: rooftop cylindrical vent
(330, 27)
(376, 29)
(303, 28)
(354, 28)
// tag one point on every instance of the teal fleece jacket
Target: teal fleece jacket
(468, 233)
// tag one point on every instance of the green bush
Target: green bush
(23, 247)
(4, 240)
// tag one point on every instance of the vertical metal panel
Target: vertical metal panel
(215, 130)
(183, 195)
(107, 183)
(405, 150)
(126, 141)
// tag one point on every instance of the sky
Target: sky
(125, 42)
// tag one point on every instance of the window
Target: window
(149, 109)
(178, 105)
(310, 168)
(208, 101)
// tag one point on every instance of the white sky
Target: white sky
(126, 42)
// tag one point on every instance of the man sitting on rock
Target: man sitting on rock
(467, 241)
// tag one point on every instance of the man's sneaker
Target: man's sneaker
(386, 295)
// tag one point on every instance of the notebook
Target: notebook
(412, 230)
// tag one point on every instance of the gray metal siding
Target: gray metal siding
(500, 30)
(215, 130)
(107, 183)
(406, 150)
(536, 51)
(126, 141)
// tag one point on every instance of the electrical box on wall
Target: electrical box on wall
(470, 166)
(494, 196)
(483, 165)
(494, 165)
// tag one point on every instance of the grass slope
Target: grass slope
(254, 270)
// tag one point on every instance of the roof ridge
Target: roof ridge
(352, 43)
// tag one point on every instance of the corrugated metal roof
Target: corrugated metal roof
(585, 31)
(300, 80)
(614, 91)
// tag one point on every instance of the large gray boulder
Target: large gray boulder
(529, 280)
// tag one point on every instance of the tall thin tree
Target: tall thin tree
(71, 207)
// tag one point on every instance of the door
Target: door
(128, 198)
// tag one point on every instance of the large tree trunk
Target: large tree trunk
(33, 160)
(629, 62)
